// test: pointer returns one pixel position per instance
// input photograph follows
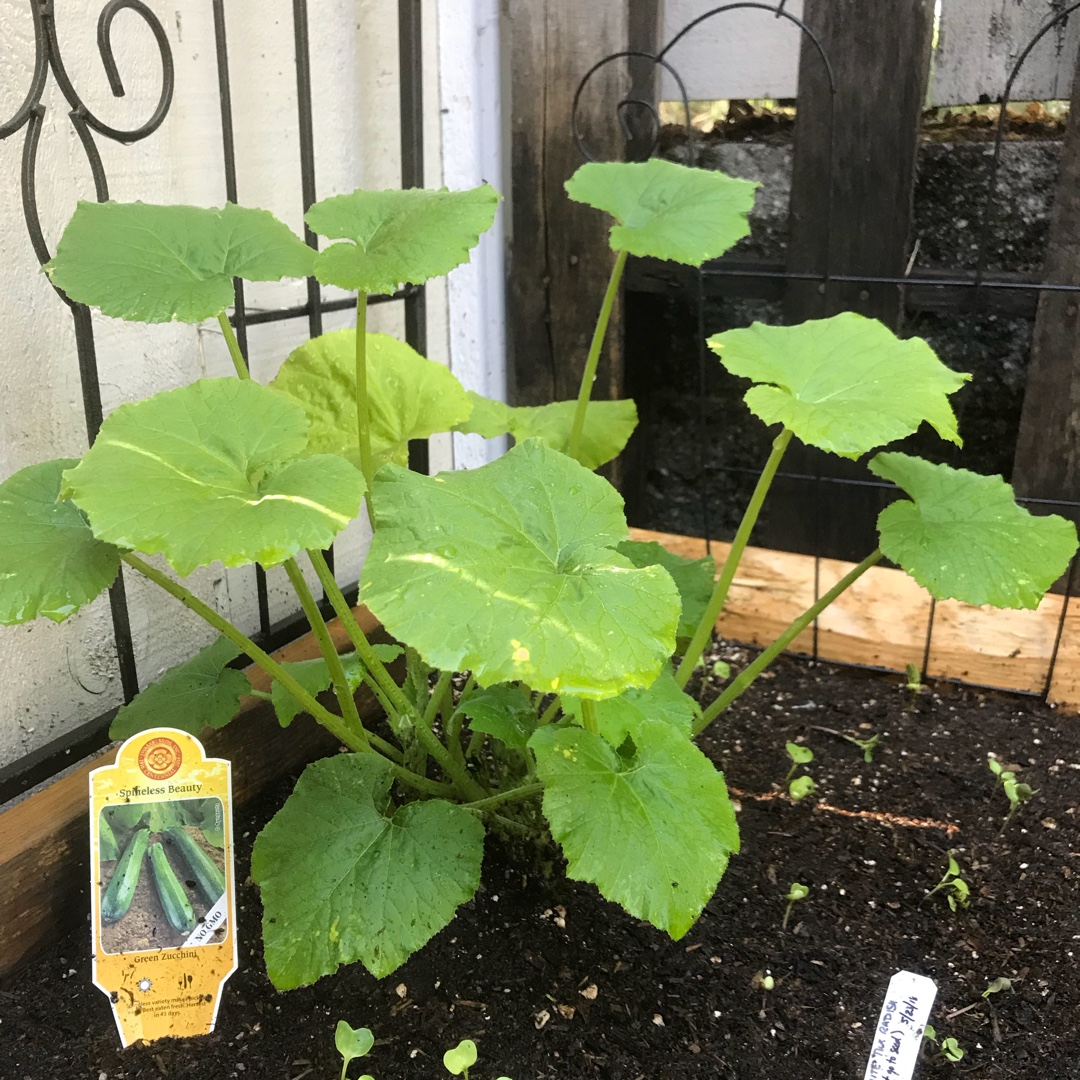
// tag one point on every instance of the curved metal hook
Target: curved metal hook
(626, 103)
(999, 137)
(37, 83)
(108, 59)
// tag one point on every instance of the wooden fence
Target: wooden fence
(888, 60)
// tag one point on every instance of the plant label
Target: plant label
(899, 1032)
(163, 909)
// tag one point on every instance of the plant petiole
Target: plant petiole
(748, 674)
(703, 633)
(592, 361)
(234, 346)
(511, 795)
(334, 724)
(368, 657)
(588, 716)
(329, 651)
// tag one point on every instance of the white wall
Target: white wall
(752, 54)
(53, 677)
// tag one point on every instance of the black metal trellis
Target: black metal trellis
(48, 57)
(974, 282)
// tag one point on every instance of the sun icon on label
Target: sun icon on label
(144, 985)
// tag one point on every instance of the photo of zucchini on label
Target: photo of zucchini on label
(162, 885)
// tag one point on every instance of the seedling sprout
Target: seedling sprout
(795, 893)
(958, 891)
(949, 1048)
(352, 1043)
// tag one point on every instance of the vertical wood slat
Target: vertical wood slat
(560, 258)
(880, 58)
(1047, 460)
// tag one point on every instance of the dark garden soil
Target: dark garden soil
(552, 981)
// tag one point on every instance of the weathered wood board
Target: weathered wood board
(882, 621)
(980, 40)
(752, 54)
(1047, 461)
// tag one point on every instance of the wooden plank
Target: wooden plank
(1047, 460)
(979, 41)
(880, 56)
(560, 258)
(860, 148)
(44, 839)
(882, 622)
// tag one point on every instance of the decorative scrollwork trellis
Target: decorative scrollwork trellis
(31, 116)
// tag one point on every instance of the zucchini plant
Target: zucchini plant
(543, 688)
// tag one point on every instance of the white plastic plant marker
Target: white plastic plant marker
(899, 1032)
(163, 907)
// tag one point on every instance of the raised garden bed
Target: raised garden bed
(516, 968)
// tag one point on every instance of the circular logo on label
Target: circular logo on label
(160, 758)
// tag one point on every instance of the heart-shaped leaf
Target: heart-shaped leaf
(608, 425)
(665, 210)
(215, 470)
(352, 1042)
(153, 264)
(409, 396)
(664, 701)
(201, 692)
(461, 1058)
(518, 556)
(377, 884)
(963, 535)
(398, 237)
(50, 562)
(653, 828)
(845, 384)
(693, 577)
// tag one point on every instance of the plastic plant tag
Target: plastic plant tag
(899, 1032)
(163, 910)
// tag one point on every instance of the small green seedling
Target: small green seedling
(959, 893)
(949, 1049)
(352, 1043)
(1016, 792)
(800, 755)
(794, 894)
(867, 746)
(721, 670)
(800, 787)
(914, 679)
(461, 1058)
(999, 984)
